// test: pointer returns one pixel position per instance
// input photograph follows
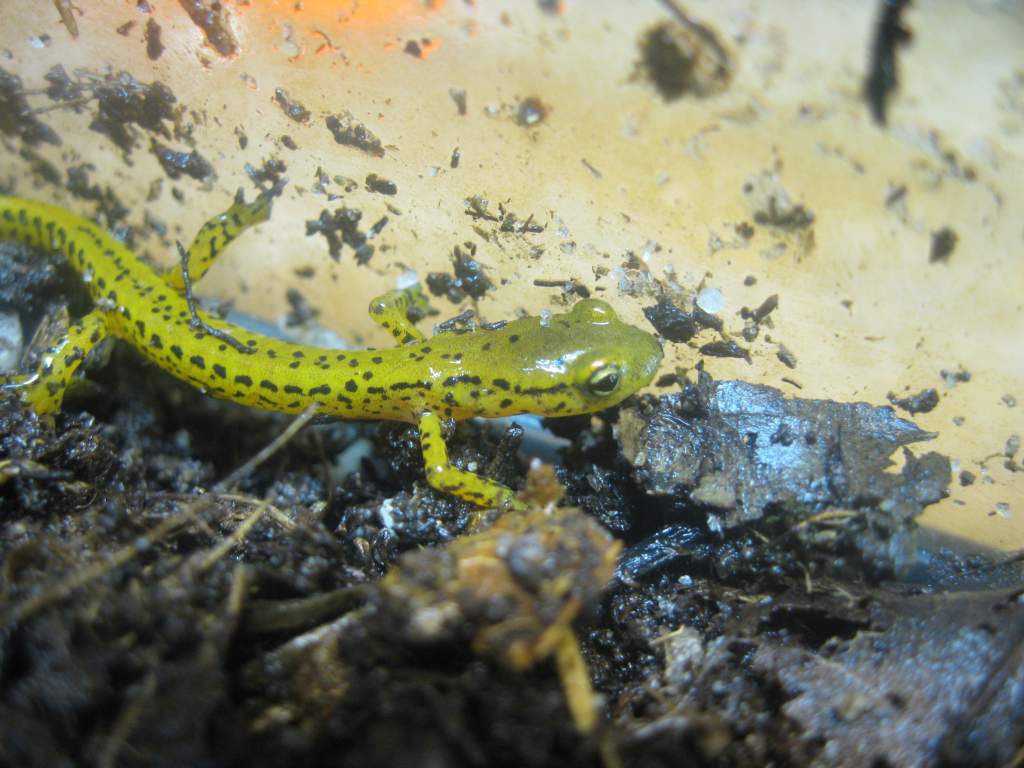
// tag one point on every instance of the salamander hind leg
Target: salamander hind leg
(398, 310)
(44, 389)
(443, 476)
(215, 235)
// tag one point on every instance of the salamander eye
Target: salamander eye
(604, 381)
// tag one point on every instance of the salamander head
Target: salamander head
(583, 361)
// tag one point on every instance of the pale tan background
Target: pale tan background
(671, 174)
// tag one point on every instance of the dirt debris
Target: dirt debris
(743, 449)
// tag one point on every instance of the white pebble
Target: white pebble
(711, 300)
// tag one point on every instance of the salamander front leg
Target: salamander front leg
(215, 235)
(44, 389)
(442, 476)
(398, 310)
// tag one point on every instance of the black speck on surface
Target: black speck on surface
(943, 244)
(468, 278)
(960, 376)
(16, 118)
(882, 76)
(270, 172)
(292, 108)
(211, 18)
(786, 357)
(177, 164)
(671, 322)
(351, 133)
(341, 228)
(762, 311)
(684, 58)
(301, 312)
(380, 185)
(725, 349)
(532, 111)
(154, 45)
(458, 95)
(923, 402)
(123, 102)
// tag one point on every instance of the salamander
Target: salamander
(581, 361)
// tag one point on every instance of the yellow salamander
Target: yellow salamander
(573, 363)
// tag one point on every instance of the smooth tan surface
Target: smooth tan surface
(670, 186)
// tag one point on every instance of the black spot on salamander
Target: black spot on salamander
(501, 384)
(351, 386)
(342, 399)
(101, 283)
(271, 352)
(198, 362)
(542, 390)
(353, 363)
(340, 357)
(449, 398)
(245, 381)
(323, 389)
(398, 385)
(457, 357)
(475, 394)
(141, 326)
(463, 378)
(294, 364)
(513, 338)
(176, 350)
(505, 403)
(268, 385)
(368, 375)
(222, 347)
(426, 350)
(219, 370)
(156, 342)
(486, 347)
(291, 389)
(96, 336)
(252, 343)
(377, 360)
(298, 353)
(375, 390)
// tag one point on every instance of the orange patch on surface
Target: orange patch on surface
(351, 13)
